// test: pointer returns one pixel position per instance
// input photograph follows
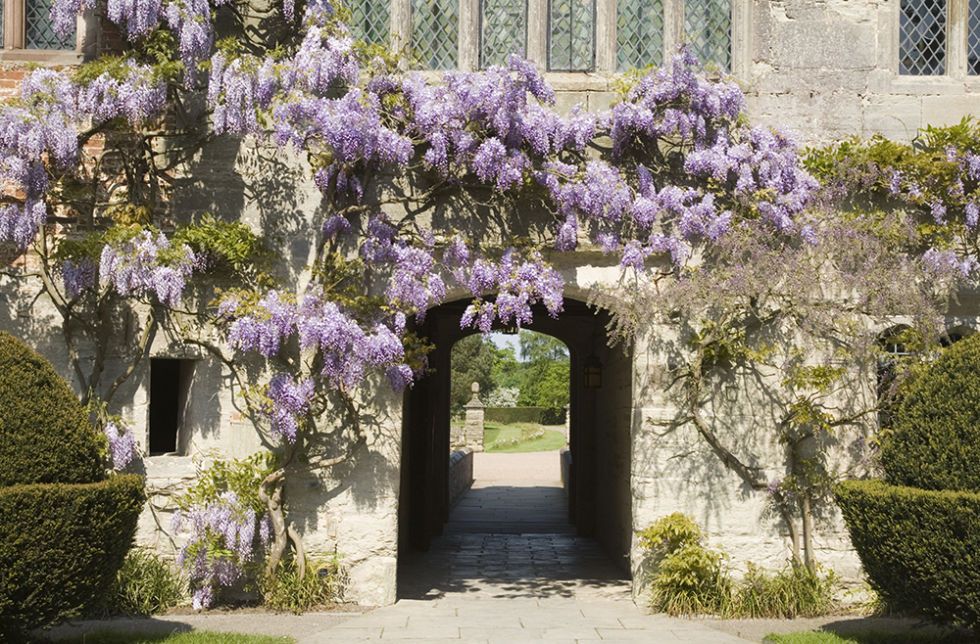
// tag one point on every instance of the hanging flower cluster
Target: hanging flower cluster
(144, 263)
(287, 401)
(43, 126)
(223, 540)
(122, 445)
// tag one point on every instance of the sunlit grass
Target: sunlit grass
(512, 438)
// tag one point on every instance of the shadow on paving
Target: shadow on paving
(511, 541)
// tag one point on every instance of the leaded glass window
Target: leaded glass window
(571, 35)
(708, 31)
(39, 31)
(922, 38)
(435, 32)
(973, 41)
(371, 20)
(503, 30)
(639, 33)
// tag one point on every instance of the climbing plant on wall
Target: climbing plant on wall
(701, 209)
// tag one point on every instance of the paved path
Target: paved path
(509, 569)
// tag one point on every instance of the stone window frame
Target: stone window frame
(468, 42)
(15, 49)
(957, 45)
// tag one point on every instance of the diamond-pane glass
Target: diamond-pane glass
(708, 31)
(435, 29)
(370, 20)
(39, 32)
(639, 33)
(973, 47)
(922, 38)
(571, 36)
(503, 30)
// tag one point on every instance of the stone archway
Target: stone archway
(599, 503)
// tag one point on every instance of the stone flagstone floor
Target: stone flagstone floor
(509, 568)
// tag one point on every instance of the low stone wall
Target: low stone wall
(460, 474)
(566, 468)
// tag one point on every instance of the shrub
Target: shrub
(60, 547)
(286, 591)
(668, 534)
(919, 547)
(45, 436)
(790, 593)
(145, 585)
(934, 443)
(692, 580)
(689, 578)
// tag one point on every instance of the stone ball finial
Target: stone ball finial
(475, 388)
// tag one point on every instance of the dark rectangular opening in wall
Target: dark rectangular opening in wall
(170, 380)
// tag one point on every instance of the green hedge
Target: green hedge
(60, 547)
(934, 443)
(45, 436)
(511, 415)
(920, 548)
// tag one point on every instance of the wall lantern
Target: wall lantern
(593, 373)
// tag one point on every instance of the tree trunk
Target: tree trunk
(808, 555)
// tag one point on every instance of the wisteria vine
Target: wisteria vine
(659, 179)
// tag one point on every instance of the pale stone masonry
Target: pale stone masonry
(822, 69)
(473, 427)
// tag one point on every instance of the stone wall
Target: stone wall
(825, 69)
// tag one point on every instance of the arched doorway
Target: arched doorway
(599, 502)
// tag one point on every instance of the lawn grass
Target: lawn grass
(493, 433)
(870, 637)
(191, 637)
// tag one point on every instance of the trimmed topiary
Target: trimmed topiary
(45, 436)
(64, 528)
(919, 548)
(60, 548)
(934, 443)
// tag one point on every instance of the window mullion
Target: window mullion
(537, 32)
(673, 27)
(956, 37)
(13, 24)
(469, 35)
(401, 25)
(605, 36)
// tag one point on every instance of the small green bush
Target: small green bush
(670, 533)
(60, 547)
(934, 443)
(286, 591)
(692, 580)
(145, 585)
(45, 436)
(790, 593)
(920, 548)
(689, 579)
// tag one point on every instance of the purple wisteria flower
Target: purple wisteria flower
(288, 402)
(78, 276)
(122, 445)
(147, 263)
(265, 328)
(221, 542)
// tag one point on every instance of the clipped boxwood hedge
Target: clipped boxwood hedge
(511, 415)
(920, 548)
(60, 548)
(934, 442)
(45, 435)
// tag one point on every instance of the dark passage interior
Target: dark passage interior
(169, 384)
(524, 535)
